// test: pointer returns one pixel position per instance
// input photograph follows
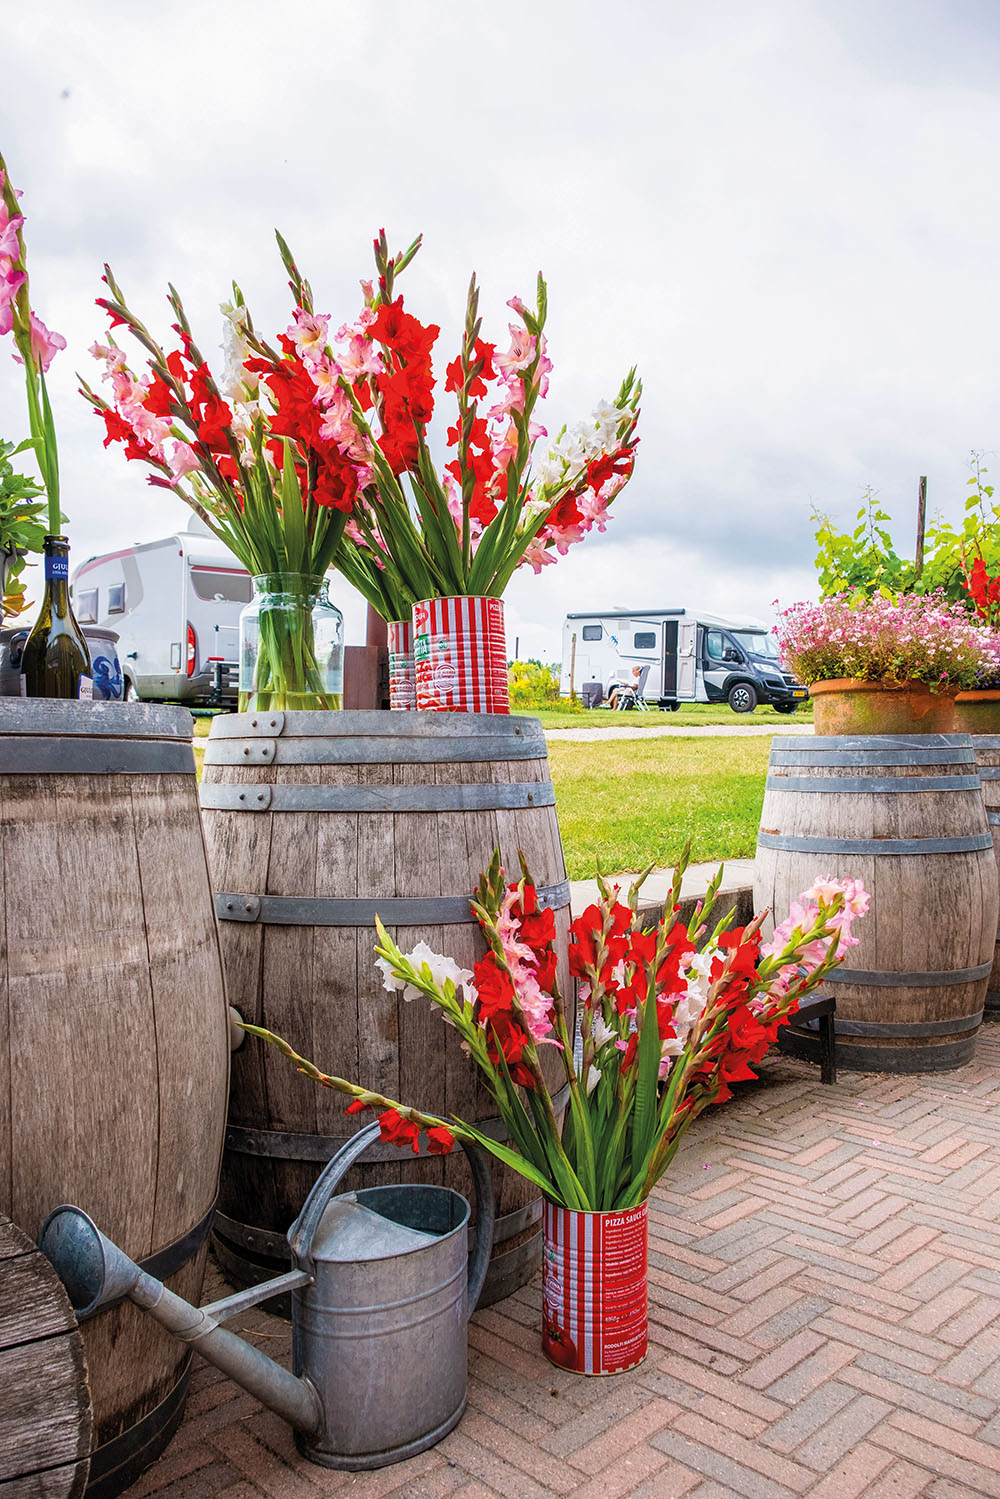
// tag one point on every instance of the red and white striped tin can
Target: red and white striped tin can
(594, 1289)
(402, 682)
(460, 655)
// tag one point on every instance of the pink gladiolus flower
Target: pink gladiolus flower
(325, 375)
(536, 1004)
(361, 357)
(308, 333)
(537, 556)
(338, 423)
(11, 282)
(184, 460)
(518, 356)
(44, 345)
(10, 244)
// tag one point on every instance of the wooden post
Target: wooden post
(918, 565)
(366, 667)
(572, 670)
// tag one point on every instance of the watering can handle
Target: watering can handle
(303, 1230)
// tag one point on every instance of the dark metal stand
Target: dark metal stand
(816, 1017)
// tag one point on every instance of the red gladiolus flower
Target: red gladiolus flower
(357, 1106)
(158, 398)
(440, 1141)
(117, 430)
(399, 1131)
(117, 321)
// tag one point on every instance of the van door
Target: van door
(668, 661)
(687, 640)
(717, 663)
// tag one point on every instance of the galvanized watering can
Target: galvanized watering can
(382, 1288)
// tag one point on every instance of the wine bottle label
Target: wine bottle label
(56, 567)
(86, 687)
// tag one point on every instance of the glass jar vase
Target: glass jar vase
(291, 645)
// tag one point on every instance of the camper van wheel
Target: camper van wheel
(785, 707)
(130, 694)
(742, 698)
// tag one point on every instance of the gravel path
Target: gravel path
(721, 731)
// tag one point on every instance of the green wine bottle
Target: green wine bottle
(56, 661)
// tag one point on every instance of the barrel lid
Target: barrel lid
(872, 742)
(58, 717)
(377, 722)
(349, 1232)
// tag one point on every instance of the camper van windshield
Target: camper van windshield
(757, 645)
(219, 583)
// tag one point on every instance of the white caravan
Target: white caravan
(175, 605)
(689, 658)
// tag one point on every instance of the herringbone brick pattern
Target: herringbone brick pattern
(823, 1322)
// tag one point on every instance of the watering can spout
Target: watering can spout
(96, 1272)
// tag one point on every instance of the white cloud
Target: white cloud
(783, 213)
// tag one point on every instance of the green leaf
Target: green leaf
(292, 514)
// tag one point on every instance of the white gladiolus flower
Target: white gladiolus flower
(593, 1078)
(607, 418)
(441, 968)
(236, 382)
(601, 1033)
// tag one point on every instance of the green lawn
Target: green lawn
(633, 804)
(629, 804)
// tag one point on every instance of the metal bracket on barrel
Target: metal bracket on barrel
(261, 753)
(270, 725)
(250, 798)
(237, 907)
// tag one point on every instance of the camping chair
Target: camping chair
(640, 701)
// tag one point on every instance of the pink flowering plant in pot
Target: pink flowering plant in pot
(886, 664)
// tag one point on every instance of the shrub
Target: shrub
(532, 685)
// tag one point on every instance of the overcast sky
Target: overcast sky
(783, 211)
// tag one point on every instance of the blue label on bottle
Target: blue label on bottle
(56, 567)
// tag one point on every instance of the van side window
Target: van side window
(644, 640)
(86, 607)
(222, 583)
(592, 632)
(116, 598)
(714, 645)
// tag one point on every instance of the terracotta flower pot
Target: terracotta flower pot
(844, 705)
(978, 712)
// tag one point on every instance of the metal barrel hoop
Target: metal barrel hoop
(303, 1230)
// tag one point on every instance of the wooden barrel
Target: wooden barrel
(905, 815)
(45, 1412)
(315, 822)
(986, 748)
(113, 1036)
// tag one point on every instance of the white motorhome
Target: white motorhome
(689, 658)
(175, 604)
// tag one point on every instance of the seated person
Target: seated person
(624, 687)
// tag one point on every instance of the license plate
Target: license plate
(801, 693)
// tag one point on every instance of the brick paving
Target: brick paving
(823, 1322)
